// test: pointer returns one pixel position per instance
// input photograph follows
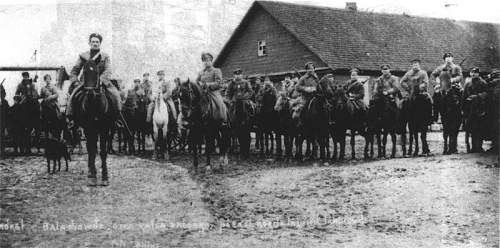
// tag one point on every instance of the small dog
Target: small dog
(55, 150)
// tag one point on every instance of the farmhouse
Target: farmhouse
(275, 37)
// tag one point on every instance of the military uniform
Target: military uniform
(166, 88)
(303, 93)
(356, 92)
(26, 90)
(210, 79)
(388, 84)
(448, 74)
(90, 78)
(412, 79)
(146, 87)
(50, 97)
(474, 86)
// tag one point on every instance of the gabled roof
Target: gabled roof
(343, 38)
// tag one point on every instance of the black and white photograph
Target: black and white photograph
(249, 123)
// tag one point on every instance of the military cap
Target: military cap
(145, 74)
(474, 70)
(137, 80)
(385, 67)
(307, 64)
(25, 74)
(206, 55)
(495, 73)
(416, 60)
(160, 72)
(354, 69)
(237, 71)
(446, 55)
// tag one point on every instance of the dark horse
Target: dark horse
(383, 118)
(420, 118)
(240, 117)
(357, 123)
(317, 119)
(449, 106)
(267, 119)
(285, 125)
(93, 112)
(202, 125)
(339, 122)
(142, 127)
(53, 121)
(29, 114)
(475, 118)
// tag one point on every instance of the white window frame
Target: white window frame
(261, 48)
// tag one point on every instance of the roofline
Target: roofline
(376, 13)
(236, 30)
(293, 34)
(245, 19)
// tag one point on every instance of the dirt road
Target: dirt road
(437, 201)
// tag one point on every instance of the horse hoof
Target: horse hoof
(105, 183)
(92, 182)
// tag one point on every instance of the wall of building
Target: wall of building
(284, 52)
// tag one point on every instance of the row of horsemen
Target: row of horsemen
(298, 89)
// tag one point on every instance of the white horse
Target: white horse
(160, 121)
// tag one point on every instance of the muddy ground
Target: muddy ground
(436, 201)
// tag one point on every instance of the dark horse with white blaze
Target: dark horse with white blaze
(93, 111)
(202, 125)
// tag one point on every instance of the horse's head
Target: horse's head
(189, 96)
(94, 103)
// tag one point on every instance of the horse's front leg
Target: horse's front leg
(166, 141)
(445, 141)
(353, 143)
(393, 139)
(104, 155)
(155, 141)
(384, 143)
(467, 144)
(403, 142)
(92, 152)
(415, 153)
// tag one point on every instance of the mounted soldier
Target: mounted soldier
(26, 89)
(304, 90)
(240, 89)
(492, 112)
(256, 87)
(50, 95)
(93, 69)
(166, 88)
(414, 78)
(449, 74)
(210, 80)
(474, 98)
(388, 83)
(356, 91)
(146, 84)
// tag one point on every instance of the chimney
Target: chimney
(351, 6)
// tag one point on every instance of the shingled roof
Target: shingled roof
(345, 38)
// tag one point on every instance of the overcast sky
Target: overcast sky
(23, 21)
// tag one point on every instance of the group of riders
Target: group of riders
(224, 97)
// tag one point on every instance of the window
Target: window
(261, 48)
